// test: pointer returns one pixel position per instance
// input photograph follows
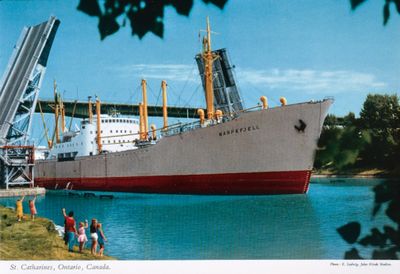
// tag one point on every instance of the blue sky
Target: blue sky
(302, 50)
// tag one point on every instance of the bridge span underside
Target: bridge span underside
(19, 88)
(79, 109)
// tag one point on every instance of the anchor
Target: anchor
(301, 127)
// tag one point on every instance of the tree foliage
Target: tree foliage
(143, 15)
(340, 147)
(373, 140)
(385, 242)
(380, 115)
(386, 7)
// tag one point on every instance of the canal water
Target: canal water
(149, 226)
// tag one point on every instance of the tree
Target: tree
(380, 115)
(386, 7)
(143, 15)
(373, 140)
(350, 120)
(340, 146)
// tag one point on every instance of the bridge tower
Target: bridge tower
(19, 91)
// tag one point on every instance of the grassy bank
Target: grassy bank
(34, 240)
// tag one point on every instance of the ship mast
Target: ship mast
(145, 114)
(209, 59)
(164, 98)
(56, 112)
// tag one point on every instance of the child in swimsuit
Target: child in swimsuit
(19, 208)
(82, 239)
(32, 208)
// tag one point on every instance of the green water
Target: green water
(147, 226)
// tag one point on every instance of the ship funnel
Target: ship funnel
(164, 96)
(283, 101)
(264, 102)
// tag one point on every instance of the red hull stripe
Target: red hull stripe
(283, 182)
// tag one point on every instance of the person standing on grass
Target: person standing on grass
(70, 229)
(19, 208)
(32, 208)
(93, 236)
(101, 239)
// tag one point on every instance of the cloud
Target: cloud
(310, 81)
(172, 72)
(306, 80)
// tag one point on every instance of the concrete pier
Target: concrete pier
(14, 192)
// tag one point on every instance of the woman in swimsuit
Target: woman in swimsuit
(93, 236)
(101, 239)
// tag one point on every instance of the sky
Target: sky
(303, 50)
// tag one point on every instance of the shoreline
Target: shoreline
(36, 240)
(373, 173)
(20, 191)
(361, 176)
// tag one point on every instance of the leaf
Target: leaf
(376, 238)
(386, 13)
(392, 235)
(90, 7)
(386, 254)
(383, 193)
(158, 29)
(352, 255)
(107, 26)
(365, 241)
(397, 3)
(219, 3)
(393, 211)
(350, 232)
(182, 7)
(376, 209)
(116, 7)
(144, 15)
(356, 3)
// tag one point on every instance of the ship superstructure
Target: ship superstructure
(118, 134)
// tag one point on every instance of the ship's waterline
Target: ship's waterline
(231, 183)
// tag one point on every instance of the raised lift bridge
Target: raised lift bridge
(19, 91)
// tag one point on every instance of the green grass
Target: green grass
(34, 240)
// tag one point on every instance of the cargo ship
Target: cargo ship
(228, 150)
